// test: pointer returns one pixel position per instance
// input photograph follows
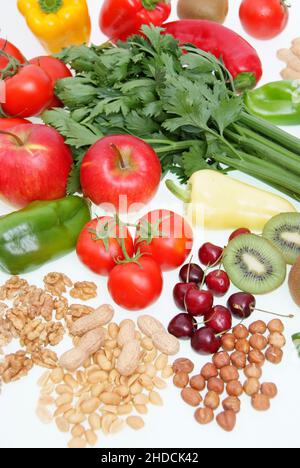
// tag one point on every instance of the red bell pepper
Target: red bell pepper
(120, 19)
(240, 58)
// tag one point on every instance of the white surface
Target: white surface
(173, 425)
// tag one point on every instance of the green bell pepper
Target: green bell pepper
(278, 102)
(41, 232)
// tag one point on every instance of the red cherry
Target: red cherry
(239, 232)
(191, 273)
(241, 304)
(180, 291)
(210, 254)
(182, 326)
(198, 302)
(205, 341)
(218, 282)
(219, 319)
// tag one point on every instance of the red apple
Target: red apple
(120, 166)
(35, 163)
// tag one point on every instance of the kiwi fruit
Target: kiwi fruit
(294, 282)
(283, 231)
(254, 265)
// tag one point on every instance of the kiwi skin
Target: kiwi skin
(294, 282)
(284, 223)
(212, 10)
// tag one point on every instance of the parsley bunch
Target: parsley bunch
(182, 103)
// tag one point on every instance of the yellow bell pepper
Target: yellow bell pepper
(57, 23)
(216, 201)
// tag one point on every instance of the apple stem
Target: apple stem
(276, 315)
(17, 139)
(119, 155)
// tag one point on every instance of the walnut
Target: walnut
(5, 333)
(61, 307)
(34, 335)
(55, 333)
(36, 302)
(57, 283)
(78, 310)
(45, 358)
(84, 290)
(3, 309)
(15, 366)
(17, 318)
(13, 288)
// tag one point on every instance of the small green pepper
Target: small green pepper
(278, 102)
(43, 231)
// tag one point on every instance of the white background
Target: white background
(173, 425)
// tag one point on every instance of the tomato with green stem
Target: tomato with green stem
(136, 283)
(7, 50)
(264, 19)
(166, 236)
(99, 244)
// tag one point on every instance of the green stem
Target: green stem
(183, 195)
(50, 6)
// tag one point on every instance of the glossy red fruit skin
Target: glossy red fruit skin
(219, 318)
(182, 326)
(204, 341)
(210, 254)
(241, 305)
(192, 273)
(218, 283)
(180, 291)
(198, 302)
(239, 232)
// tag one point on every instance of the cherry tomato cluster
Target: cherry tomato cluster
(29, 86)
(134, 266)
(191, 297)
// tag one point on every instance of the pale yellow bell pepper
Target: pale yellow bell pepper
(217, 201)
(57, 23)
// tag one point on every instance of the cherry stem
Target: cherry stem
(189, 270)
(119, 155)
(276, 315)
(17, 139)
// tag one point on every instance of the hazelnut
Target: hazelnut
(191, 396)
(258, 327)
(232, 404)
(212, 400)
(221, 359)
(277, 339)
(252, 371)
(181, 379)
(204, 415)
(227, 420)
(183, 365)
(258, 341)
(251, 386)
(256, 357)
(242, 345)
(261, 402)
(228, 342)
(215, 385)
(234, 388)
(276, 325)
(239, 359)
(269, 389)
(274, 355)
(229, 373)
(198, 382)
(209, 371)
(240, 332)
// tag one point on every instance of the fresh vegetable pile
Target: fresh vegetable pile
(183, 104)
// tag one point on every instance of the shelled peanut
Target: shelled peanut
(115, 385)
(291, 57)
(244, 350)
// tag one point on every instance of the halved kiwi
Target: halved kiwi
(254, 265)
(283, 231)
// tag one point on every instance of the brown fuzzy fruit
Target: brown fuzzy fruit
(294, 282)
(212, 10)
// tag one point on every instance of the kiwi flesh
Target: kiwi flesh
(254, 265)
(283, 231)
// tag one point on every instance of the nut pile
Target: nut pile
(34, 316)
(244, 350)
(114, 385)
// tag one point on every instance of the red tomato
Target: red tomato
(28, 92)
(136, 286)
(94, 254)
(56, 69)
(5, 124)
(170, 241)
(9, 49)
(264, 19)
